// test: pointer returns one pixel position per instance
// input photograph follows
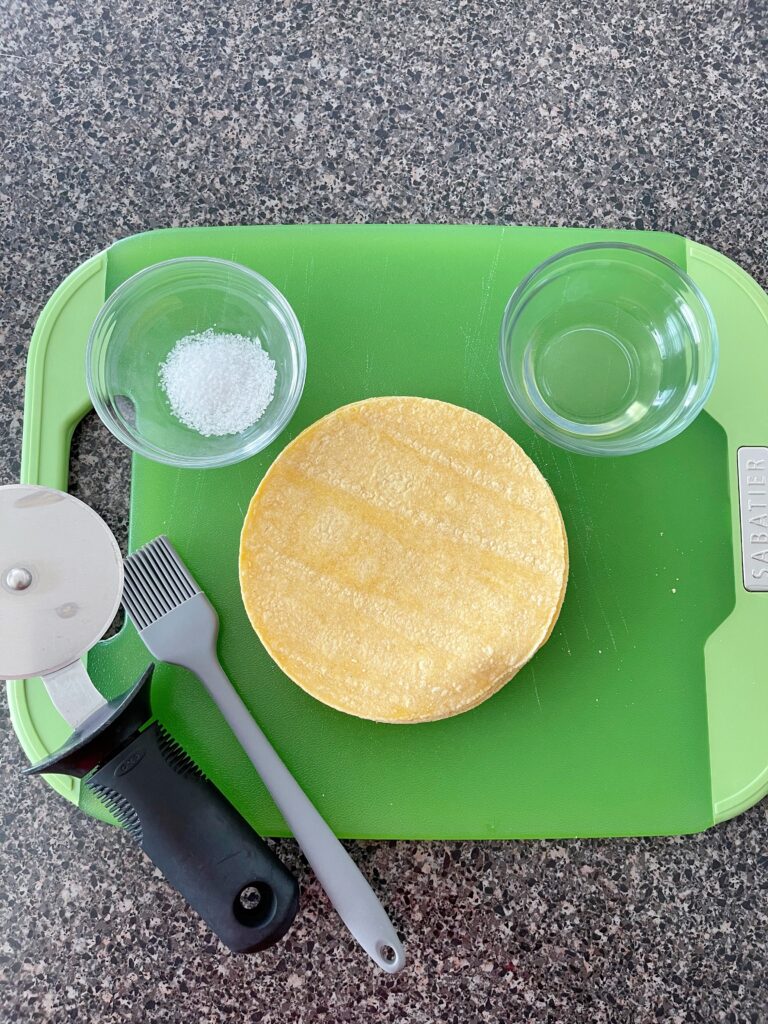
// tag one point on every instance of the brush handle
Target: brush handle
(347, 888)
(186, 634)
(201, 844)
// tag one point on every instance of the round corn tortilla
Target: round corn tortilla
(402, 559)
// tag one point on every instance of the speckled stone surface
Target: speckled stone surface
(123, 116)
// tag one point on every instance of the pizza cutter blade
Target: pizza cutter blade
(61, 580)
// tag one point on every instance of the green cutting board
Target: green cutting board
(646, 712)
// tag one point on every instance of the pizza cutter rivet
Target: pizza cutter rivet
(18, 578)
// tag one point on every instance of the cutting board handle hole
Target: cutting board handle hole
(91, 443)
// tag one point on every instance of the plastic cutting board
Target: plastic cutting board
(647, 711)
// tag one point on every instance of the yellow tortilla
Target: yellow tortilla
(402, 559)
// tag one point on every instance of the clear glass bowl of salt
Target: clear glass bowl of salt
(196, 362)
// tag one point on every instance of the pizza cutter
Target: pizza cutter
(61, 581)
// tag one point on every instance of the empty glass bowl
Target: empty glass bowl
(608, 349)
(141, 322)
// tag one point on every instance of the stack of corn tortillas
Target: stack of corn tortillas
(402, 559)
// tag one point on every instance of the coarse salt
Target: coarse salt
(217, 383)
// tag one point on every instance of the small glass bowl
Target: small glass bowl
(139, 325)
(608, 349)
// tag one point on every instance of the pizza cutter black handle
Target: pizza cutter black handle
(201, 844)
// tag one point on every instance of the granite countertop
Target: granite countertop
(125, 116)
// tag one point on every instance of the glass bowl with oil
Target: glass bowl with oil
(608, 349)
